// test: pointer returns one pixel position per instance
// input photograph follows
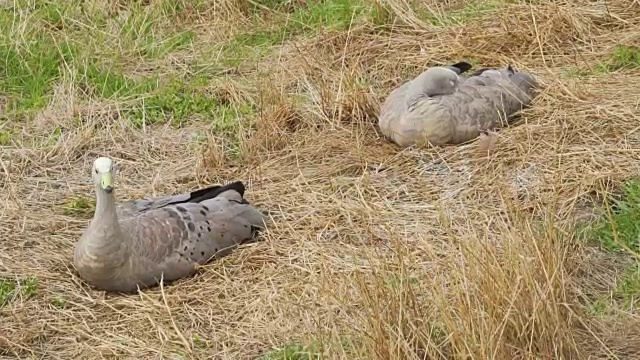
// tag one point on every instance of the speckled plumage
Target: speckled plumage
(482, 101)
(136, 243)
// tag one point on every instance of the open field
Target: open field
(488, 250)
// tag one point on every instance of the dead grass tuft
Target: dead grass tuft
(229, 92)
(275, 128)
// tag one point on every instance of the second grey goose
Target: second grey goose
(442, 107)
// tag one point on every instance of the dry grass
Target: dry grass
(373, 252)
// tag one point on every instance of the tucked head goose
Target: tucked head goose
(435, 81)
(140, 241)
(438, 80)
(480, 103)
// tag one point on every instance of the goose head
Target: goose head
(439, 81)
(102, 173)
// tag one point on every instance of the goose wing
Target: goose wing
(131, 208)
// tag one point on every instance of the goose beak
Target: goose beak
(106, 182)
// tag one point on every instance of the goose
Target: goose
(442, 106)
(139, 242)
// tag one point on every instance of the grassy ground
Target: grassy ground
(527, 251)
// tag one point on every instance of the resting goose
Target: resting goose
(441, 107)
(139, 242)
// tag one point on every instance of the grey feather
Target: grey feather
(140, 242)
(485, 100)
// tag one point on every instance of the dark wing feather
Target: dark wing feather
(460, 67)
(136, 207)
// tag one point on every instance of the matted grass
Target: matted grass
(467, 251)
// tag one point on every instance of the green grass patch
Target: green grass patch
(134, 29)
(318, 15)
(198, 341)
(293, 352)
(82, 206)
(625, 296)
(397, 282)
(629, 287)
(40, 38)
(617, 230)
(58, 302)
(275, 5)
(54, 136)
(331, 14)
(10, 289)
(577, 73)
(599, 308)
(261, 38)
(457, 16)
(109, 83)
(30, 70)
(622, 229)
(252, 46)
(140, 30)
(177, 103)
(321, 14)
(30, 60)
(5, 137)
(176, 8)
(152, 101)
(624, 57)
